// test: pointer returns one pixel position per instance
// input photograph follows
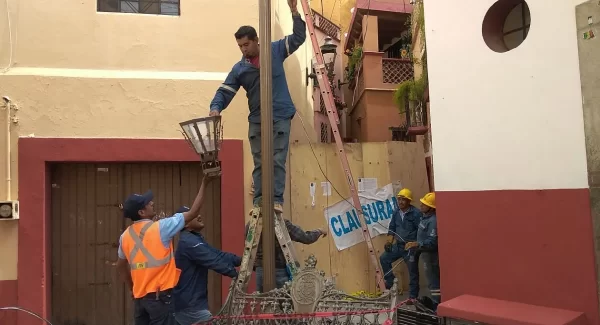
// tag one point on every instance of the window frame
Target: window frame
(100, 4)
(523, 26)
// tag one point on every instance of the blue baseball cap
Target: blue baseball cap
(182, 209)
(135, 203)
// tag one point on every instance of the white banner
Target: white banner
(344, 225)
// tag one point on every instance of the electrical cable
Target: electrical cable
(28, 312)
(327, 179)
(342, 196)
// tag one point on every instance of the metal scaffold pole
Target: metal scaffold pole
(266, 119)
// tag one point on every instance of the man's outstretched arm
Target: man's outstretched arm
(225, 94)
(289, 44)
(298, 235)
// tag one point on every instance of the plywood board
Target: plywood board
(304, 163)
(392, 162)
(376, 165)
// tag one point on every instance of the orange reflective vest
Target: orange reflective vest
(152, 265)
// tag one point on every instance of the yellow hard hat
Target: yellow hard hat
(429, 200)
(405, 193)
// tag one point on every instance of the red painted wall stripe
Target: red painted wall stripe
(34, 288)
(533, 247)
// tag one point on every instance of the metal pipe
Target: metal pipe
(266, 132)
(8, 151)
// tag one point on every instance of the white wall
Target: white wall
(505, 120)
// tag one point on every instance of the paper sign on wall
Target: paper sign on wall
(344, 224)
(312, 190)
(367, 184)
(326, 186)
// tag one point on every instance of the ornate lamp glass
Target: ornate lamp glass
(205, 136)
(328, 48)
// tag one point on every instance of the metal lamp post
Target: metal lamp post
(205, 136)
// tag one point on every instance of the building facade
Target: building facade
(377, 46)
(514, 164)
(95, 91)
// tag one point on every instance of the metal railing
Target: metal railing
(326, 26)
(311, 298)
(396, 71)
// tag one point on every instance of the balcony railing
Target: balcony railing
(396, 71)
(326, 26)
(377, 72)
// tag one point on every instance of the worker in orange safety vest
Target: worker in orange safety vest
(146, 262)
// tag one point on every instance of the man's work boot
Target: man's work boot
(278, 207)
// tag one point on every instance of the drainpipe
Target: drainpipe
(266, 122)
(8, 171)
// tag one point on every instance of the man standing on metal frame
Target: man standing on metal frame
(246, 74)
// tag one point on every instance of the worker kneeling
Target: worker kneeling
(403, 230)
(427, 246)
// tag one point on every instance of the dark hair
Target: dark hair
(246, 31)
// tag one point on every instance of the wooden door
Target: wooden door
(86, 225)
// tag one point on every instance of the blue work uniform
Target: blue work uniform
(403, 227)
(194, 257)
(428, 246)
(245, 74)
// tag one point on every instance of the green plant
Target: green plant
(353, 61)
(364, 294)
(412, 89)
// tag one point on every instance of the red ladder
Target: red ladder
(327, 95)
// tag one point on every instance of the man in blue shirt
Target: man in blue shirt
(246, 74)
(427, 245)
(194, 257)
(403, 229)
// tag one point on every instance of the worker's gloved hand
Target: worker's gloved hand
(388, 247)
(410, 245)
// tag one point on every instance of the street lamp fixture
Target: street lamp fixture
(205, 136)
(328, 48)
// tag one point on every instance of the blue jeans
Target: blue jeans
(388, 258)
(281, 142)
(192, 316)
(281, 277)
(431, 262)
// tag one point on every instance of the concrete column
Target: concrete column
(370, 33)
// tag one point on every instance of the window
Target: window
(516, 26)
(506, 25)
(152, 7)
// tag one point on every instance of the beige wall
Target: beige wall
(79, 73)
(338, 11)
